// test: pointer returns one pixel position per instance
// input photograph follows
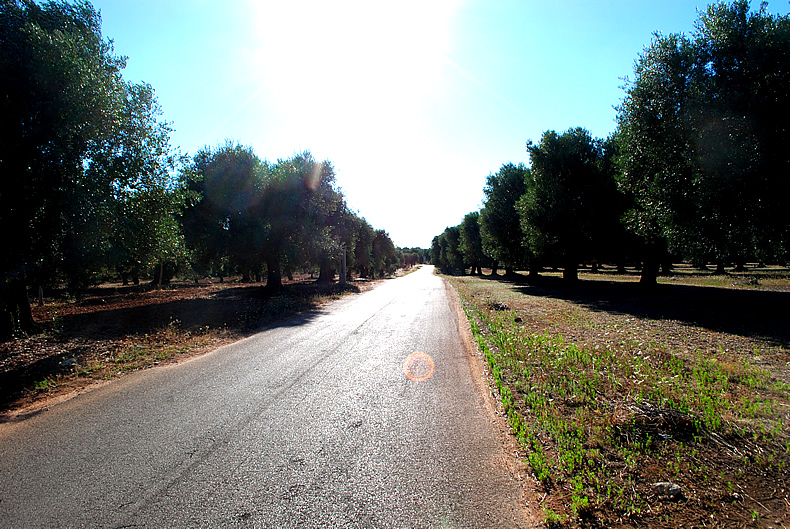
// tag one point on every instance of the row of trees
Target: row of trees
(248, 215)
(697, 169)
(90, 185)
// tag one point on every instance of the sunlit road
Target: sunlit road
(311, 424)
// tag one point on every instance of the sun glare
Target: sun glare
(358, 83)
(351, 66)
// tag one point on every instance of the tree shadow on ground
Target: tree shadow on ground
(759, 314)
(114, 314)
(243, 309)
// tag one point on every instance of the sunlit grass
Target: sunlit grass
(592, 418)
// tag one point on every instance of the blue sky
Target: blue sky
(414, 102)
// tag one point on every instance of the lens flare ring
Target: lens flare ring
(418, 366)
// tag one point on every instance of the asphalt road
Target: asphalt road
(319, 422)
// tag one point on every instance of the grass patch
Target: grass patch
(608, 403)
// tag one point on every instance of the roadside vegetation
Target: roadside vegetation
(668, 410)
(647, 394)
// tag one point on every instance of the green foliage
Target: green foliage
(221, 222)
(500, 227)
(470, 243)
(302, 214)
(447, 254)
(145, 232)
(286, 215)
(700, 154)
(435, 251)
(43, 385)
(363, 248)
(90, 183)
(384, 255)
(60, 80)
(77, 142)
(570, 208)
(414, 256)
(702, 138)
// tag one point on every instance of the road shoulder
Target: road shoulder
(512, 457)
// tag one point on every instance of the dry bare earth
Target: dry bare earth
(612, 390)
(117, 329)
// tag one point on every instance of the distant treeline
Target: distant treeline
(91, 187)
(698, 168)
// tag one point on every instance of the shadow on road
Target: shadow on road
(107, 315)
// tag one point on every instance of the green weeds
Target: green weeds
(43, 385)
(591, 419)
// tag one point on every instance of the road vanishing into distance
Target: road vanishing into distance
(326, 420)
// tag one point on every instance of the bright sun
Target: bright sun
(350, 65)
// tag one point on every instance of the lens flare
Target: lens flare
(312, 179)
(418, 366)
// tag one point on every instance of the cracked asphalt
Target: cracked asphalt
(327, 420)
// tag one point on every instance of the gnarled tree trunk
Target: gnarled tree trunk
(494, 267)
(570, 272)
(326, 274)
(649, 272)
(15, 313)
(274, 279)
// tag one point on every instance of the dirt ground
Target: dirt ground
(115, 329)
(734, 477)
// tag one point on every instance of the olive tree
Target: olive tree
(703, 138)
(570, 209)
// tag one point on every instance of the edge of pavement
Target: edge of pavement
(512, 456)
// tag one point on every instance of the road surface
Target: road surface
(324, 421)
